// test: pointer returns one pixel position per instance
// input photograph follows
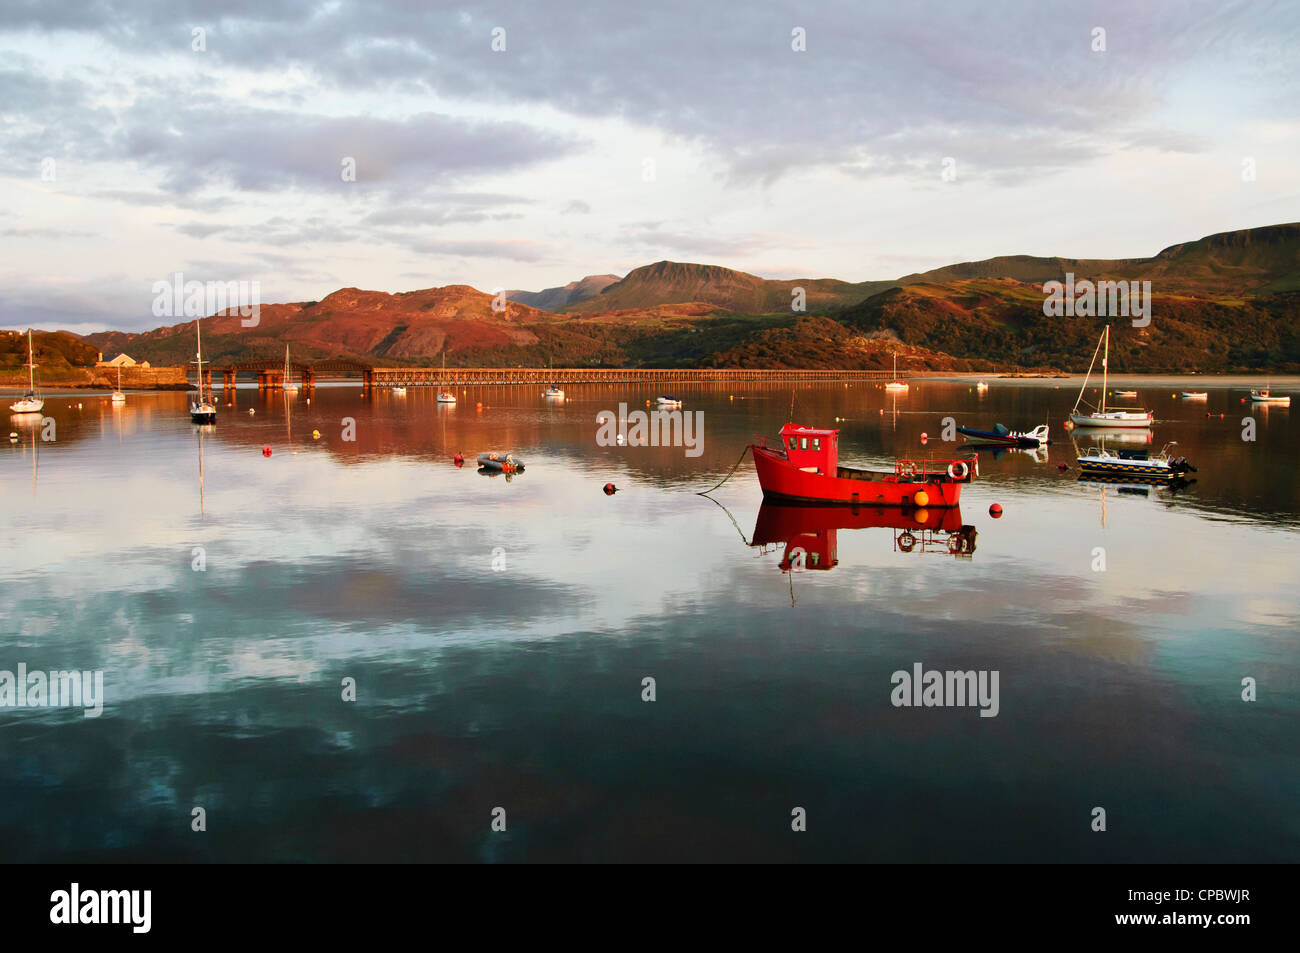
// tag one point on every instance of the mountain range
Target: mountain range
(1226, 302)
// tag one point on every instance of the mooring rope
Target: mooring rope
(728, 476)
(743, 537)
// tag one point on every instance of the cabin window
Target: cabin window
(803, 443)
(792, 443)
(817, 443)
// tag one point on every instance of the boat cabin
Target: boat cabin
(812, 449)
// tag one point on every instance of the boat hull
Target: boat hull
(988, 438)
(27, 407)
(1114, 421)
(503, 462)
(783, 482)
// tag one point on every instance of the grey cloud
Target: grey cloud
(727, 76)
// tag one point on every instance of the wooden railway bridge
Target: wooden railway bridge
(270, 374)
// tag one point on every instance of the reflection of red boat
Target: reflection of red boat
(809, 533)
(806, 468)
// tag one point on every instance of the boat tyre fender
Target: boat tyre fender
(956, 544)
(906, 541)
(958, 470)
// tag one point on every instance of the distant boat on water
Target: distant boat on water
(119, 397)
(202, 409)
(1196, 395)
(287, 383)
(896, 384)
(553, 391)
(1113, 419)
(444, 396)
(31, 402)
(666, 401)
(1264, 395)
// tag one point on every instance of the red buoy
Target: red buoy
(266, 451)
(925, 437)
(610, 489)
(1062, 467)
(458, 459)
(995, 510)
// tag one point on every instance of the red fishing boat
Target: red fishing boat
(805, 468)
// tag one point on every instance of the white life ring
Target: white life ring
(958, 470)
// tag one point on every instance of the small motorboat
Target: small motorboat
(399, 391)
(446, 397)
(1196, 395)
(668, 402)
(1265, 396)
(981, 385)
(806, 468)
(553, 391)
(1135, 463)
(500, 461)
(1000, 436)
(1124, 393)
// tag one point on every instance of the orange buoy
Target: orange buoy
(925, 437)
(610, 489)
(266, 451)
(921, 498)
(995, 510)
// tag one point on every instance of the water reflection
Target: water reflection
(808, 535)
(499, 636)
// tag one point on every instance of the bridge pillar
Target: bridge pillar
(207, 380)
(228, 379)
(261, 380)
(367, 379)
(308, 379)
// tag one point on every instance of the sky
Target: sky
(856, 140)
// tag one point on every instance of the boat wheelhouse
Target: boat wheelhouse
(806, 469)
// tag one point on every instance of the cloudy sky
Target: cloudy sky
(609, 135)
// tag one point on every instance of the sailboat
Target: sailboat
(444, 396)
(31, 402)
(118, 396)
(1114, 419)
(896, 384)
(202, 410)
(287, 384)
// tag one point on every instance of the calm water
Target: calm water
(499, 633)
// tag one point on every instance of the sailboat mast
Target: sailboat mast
(198, 337)
(31, 364)
(1105, 367)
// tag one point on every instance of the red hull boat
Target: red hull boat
(806, 469)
